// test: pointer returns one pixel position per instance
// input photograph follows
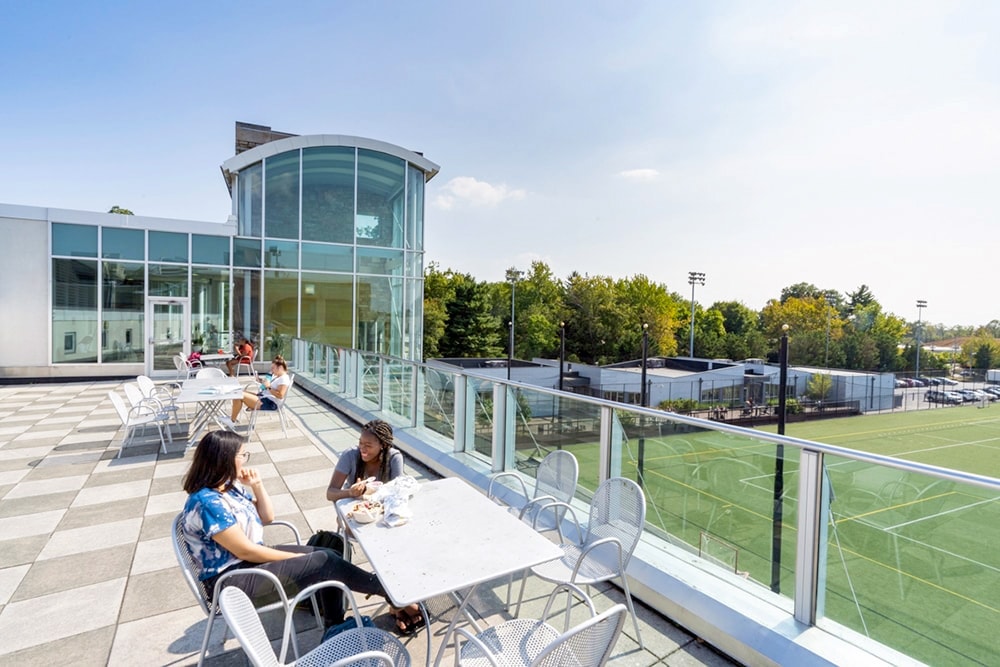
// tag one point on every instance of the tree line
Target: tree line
(603, 320)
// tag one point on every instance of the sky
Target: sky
(763, 144)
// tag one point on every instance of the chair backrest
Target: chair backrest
(557, 476)
(588, 644)
(242, 618)
(189, 567)
(366, 659)
(146, 385)
(210, 373)
(618, 510)
(133, 393)
(119, 406)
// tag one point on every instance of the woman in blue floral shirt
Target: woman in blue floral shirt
(224, 520)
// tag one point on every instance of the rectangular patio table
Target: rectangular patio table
(210, 394)
(456, 539)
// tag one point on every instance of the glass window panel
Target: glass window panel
(439, 402)
(413, 329)
(379, 311)
(379, 220)
(74, 310)
(246, 305)
(281, 254)
(380, 262)
(249, 206)
(124, 305)
(168, 280)
(123, 243)
(210, 249)
(210, 309)
(320, 257)
(281, 195)
(328, 194)
(414, 208)
(168, 247)
(414, 264)
(246, 252)
(326, 308)
(281, 312)
(74, 240)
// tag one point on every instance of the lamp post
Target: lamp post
(779, 465)
(642, 402)
(694, 278)
(513, 275)
(562, 352)
(829, 307)
(921, 304)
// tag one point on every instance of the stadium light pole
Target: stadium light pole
(829, 303)
(921, 304)
(694, 278)
(562, 352)
(779, 465)
(513, 275)
(643, 398)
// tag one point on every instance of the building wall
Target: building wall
(24, 299)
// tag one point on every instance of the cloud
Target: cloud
(640, 175)
(468, 190)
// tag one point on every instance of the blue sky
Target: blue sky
(763, 144)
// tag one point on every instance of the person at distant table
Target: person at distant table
(244, 349)
(271, 396)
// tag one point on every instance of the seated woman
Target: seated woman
(269, 399)
(224, 518)
(375, 457)
(244, 349)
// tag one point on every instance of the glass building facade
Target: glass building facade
(327, 247)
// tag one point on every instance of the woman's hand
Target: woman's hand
(358, 488)
(250, 477)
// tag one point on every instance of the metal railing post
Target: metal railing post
(811, 530)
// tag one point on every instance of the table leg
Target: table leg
(461, 611)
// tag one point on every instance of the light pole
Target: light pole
(513, 275)
(642, 402)
(562, 352)
(921, 304)
(829, 307)
(779, 466)
(645, 348)
(694, 278)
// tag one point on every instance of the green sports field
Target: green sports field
(911, 561)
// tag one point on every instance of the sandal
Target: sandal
(407, 625)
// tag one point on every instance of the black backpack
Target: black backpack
(333, 541)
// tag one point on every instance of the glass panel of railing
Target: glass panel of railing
(912, 561)
(713, 493)
(397, 390)
(481, 392)
(334, 368)
(439, 401)
(370, 377)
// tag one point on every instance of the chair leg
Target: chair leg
(520, 596)
(631, 610)
(208, 634)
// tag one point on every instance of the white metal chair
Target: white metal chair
(185, 367)
(246, 363)
(525, 641)
(617, 517)
(281, 410)
(142, 414)
(555, 480)
(205, 597)
(345, 648)
(210, 373)
(159, 393)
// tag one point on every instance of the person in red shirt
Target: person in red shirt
(244, 349)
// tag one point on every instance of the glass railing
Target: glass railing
(900, 552)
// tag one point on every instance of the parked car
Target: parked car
(936, 396)
(900, 382)
(949, 382)
(992, 389)
(930, 382)
(971, 395)
(954, 396)
(917, 382)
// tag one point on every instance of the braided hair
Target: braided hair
(382, 430)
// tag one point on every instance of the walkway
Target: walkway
(87, 572)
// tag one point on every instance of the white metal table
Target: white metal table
(456, 539)
(210, 395)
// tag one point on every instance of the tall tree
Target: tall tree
(118, 209)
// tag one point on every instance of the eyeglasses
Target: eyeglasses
(244, 455)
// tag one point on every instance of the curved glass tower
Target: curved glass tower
(329, 243)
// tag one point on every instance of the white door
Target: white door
(169, 323)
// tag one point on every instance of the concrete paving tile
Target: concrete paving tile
(13, 476)
(91, 538)
(72, 419)
(26, 525)
(88, 649)
(154, 593)
(166, 503)
(5, 489)
(82, 442)
(22, 453)
(172, 469)
(20, 506)
(321, 518)
(283, 503)
(153, 555)
(61, 614)
(80, 458)
(96, 495)
(118, 476)
(46, 486)
(52, 467)
(12, 430)
(313, 498)
(308, 480)
(21, 550)
(62, 574)
(32, 434)
(19, 443)
(171, 638)
(165, 485)
(126, 463)
(292, 453)
(696, 653)
(305, 465)
(157, 525)
(92, 515)
(10, 579)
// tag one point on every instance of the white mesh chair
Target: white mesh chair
(185, 368)
(525, 641)
(244, 363)
(280, 410)
(205, 597)
(617, 517)
(344, 648)
(210, 373)
(143, 414)
(159, 393)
